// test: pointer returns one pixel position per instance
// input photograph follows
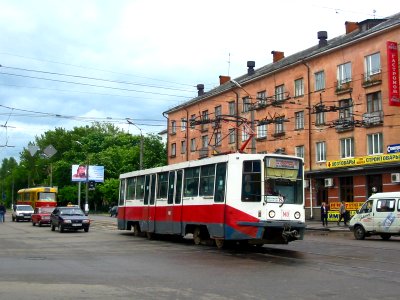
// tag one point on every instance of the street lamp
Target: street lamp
(86, 208)
(141, 143)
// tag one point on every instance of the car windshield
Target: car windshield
(71, 212)
(24, 207)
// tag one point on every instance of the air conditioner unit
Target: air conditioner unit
(328, 182)
(395, 177)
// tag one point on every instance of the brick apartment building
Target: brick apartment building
(335, 104)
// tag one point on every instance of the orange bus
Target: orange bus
(38, 196)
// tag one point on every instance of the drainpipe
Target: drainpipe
(237, 121)
(187, 134)
(309, 134)
(167, 135)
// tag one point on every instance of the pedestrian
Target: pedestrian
(324, 214)
(2, 212)
(342, 214)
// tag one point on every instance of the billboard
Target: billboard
(393, 73)
(80, 174)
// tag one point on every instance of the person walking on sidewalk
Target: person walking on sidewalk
(324, 214)
(342, 214)
(2, 212)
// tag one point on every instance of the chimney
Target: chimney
(223, 79)
(200, 89)
(350, 26)
(277, 55)
(322, 36)
(250, 67)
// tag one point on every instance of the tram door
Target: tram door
(151, 206)
(145, 216)
(174, 202)
(169, 218)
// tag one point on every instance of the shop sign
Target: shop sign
(349, 205)
(334, 215)
(363, 160)
(393, 148)
(393, 73)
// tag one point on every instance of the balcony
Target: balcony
(372, 119)
(372, 79)
(278, 134)
(203, 152)
(343, 87)
(344, 124)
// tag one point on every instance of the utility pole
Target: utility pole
(141, 143)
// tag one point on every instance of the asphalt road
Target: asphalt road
(36, 263)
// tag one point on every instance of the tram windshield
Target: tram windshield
(283, 181)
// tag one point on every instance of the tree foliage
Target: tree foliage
(98, 144)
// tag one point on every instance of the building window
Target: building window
(245, 135)
(173, 127)
(183, 124)
(299, 87)
(375, 143)
(218, 139)
(279, 92)
(347, 148)
(299, 151)
(346, 109)
(262, 131)
(232, 108)
(372, 65)
(183, 147)
(279, 128)
(299, 120)
(319, 80)
(262, 98)
(344, 73)
(204, 119)
(192, 120)
(246, 104)
(173, 150)
(232, 136)
(193, 145)
(374, 102)
(204, 141)
(217, 113)
(320, 118)
(321, 152)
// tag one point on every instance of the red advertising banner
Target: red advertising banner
(393, 73)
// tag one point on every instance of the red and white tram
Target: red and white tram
(246, 198)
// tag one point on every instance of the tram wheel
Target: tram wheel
(136, 230)
(197, 236)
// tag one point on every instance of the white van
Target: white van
(379, 215)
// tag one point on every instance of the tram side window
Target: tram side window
(191, 188)
(122, 192)
(139, 188)
(162, 185)
(207, 176)
(251, 181)
(130, 188)
(219, 195)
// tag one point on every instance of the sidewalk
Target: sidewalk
(332, 226)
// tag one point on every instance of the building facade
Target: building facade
(335, 104)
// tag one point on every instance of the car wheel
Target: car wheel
(359, 233)
(33, 223)
(40, 224)
(86, 229)
(13, 218)
(53, 228)
(60, 228)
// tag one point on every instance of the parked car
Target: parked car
(41, 215)
(113, 211)
(69, 218)
(22, 212)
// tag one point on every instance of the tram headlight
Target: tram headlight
(271, 214)
(297, 215)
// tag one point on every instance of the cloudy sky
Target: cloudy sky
(69, 63)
